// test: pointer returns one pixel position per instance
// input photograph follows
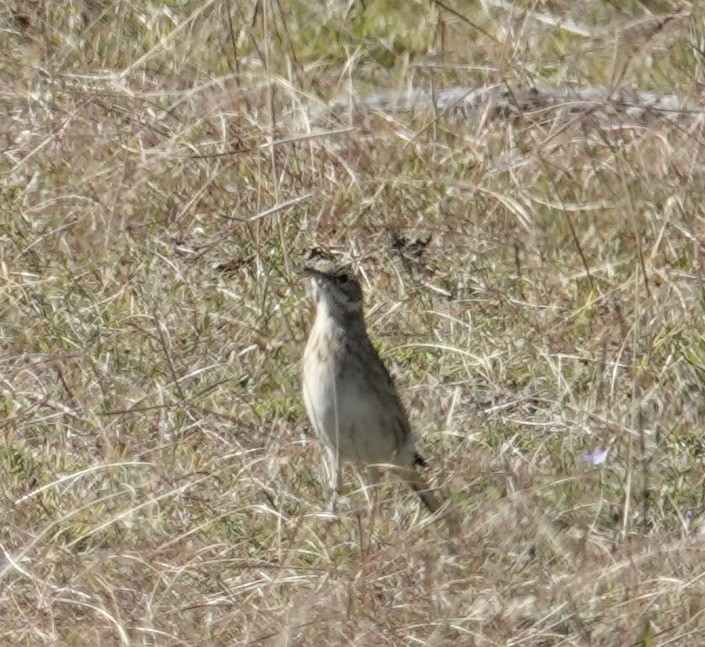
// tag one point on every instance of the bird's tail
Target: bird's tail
(418, 484)
(429, 498)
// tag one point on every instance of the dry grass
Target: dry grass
(160, 485)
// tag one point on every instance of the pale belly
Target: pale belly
(350, 419)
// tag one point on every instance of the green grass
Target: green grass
(160, 484)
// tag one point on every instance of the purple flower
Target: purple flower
(597, 456)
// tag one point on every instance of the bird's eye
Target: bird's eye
(343, 278)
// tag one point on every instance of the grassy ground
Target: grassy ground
(160, 485)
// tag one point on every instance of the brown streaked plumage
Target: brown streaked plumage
(350, 398)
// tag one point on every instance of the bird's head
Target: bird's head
(335, 286)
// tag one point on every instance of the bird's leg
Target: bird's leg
(335, 479)
(373, 476)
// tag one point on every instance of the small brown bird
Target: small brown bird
(350, 397)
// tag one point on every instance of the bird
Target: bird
(351, 399)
